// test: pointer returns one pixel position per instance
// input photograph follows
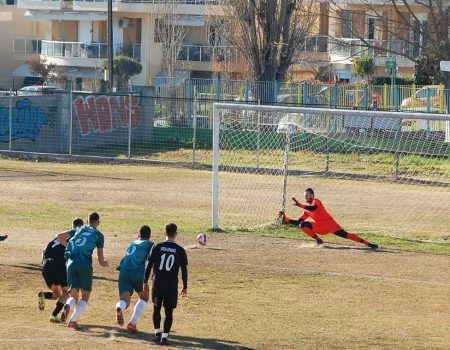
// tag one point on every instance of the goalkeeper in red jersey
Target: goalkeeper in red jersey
(321, 223)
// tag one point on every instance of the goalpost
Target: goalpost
(371, 168)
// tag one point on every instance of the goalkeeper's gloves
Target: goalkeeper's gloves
(297, 203)
(283, 216)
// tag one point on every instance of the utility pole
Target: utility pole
(110, 46)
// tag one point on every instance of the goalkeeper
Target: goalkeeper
(322, 222)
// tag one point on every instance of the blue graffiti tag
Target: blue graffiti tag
(26, 121)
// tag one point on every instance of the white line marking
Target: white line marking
(345, 274)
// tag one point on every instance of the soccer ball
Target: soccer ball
(202, 239)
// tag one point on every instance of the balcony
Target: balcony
(177, 2)
(44, 4)
(73, 53)
(349, 48)
(27, 46)
(207, 53)
(193, 7)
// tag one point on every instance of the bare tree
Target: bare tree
(170, 33)
(268, 33)
(410, 28)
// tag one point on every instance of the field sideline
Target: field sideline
(246, 291)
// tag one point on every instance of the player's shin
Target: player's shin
(168, 320)
(139, 308)
(58, 308)
(79, 309)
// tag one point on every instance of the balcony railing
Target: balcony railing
(27, 45)
(374, 48)
(73, 49)
(206, 53)
(180, 2)
(347, 47)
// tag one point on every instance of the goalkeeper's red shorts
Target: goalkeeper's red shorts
(326, 227)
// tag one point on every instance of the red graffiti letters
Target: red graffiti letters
(100, 114)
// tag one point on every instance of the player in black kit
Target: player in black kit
(54, 272)
(165, 260)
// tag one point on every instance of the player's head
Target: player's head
(145, 232)
(309, 194)
(77, 223)
(171, 230)
(94, 219)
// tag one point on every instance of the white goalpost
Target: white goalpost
(372, 168)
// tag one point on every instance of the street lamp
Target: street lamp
(110, 46)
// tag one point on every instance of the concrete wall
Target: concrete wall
(43, 123)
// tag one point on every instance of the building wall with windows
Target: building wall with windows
(12, 25)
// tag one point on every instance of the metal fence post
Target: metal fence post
(366, 94)
(258, 136)
(189, 99)
(10, 120)
(334, 96)
(217, 88)
(194, 131)
(129, 125)
(305, 94)
(275, 91)
(70, 118)
(246, 90)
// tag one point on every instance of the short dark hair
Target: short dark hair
(145, 232)
(94, 218)
(171, 230)
(77, 222)
(310, 190)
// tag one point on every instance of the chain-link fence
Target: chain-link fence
(145, 125)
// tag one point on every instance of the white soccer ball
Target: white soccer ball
(202, 239)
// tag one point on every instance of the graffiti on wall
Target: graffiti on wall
(102, 114)
(27, 121)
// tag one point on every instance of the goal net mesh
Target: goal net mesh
(374, 171)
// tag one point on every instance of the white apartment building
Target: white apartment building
(73, 36)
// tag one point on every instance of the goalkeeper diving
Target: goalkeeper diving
(322, 223)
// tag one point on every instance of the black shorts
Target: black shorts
(54, 272)
(165, 297)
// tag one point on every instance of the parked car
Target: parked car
(432, 93)
(37, 90)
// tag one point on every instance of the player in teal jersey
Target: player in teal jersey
(79, 266)
(131, 278)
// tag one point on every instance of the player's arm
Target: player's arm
(63, 237)
(101, 258)
(303, 206)
(184, 275)
(148, 269)
(290, 221)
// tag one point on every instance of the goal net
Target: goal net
(375, 171)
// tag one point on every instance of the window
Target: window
(159, 28)
(214, 36)
(371, 28)
(346, 24)
(419, 34)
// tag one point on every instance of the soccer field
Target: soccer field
(253, 290)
